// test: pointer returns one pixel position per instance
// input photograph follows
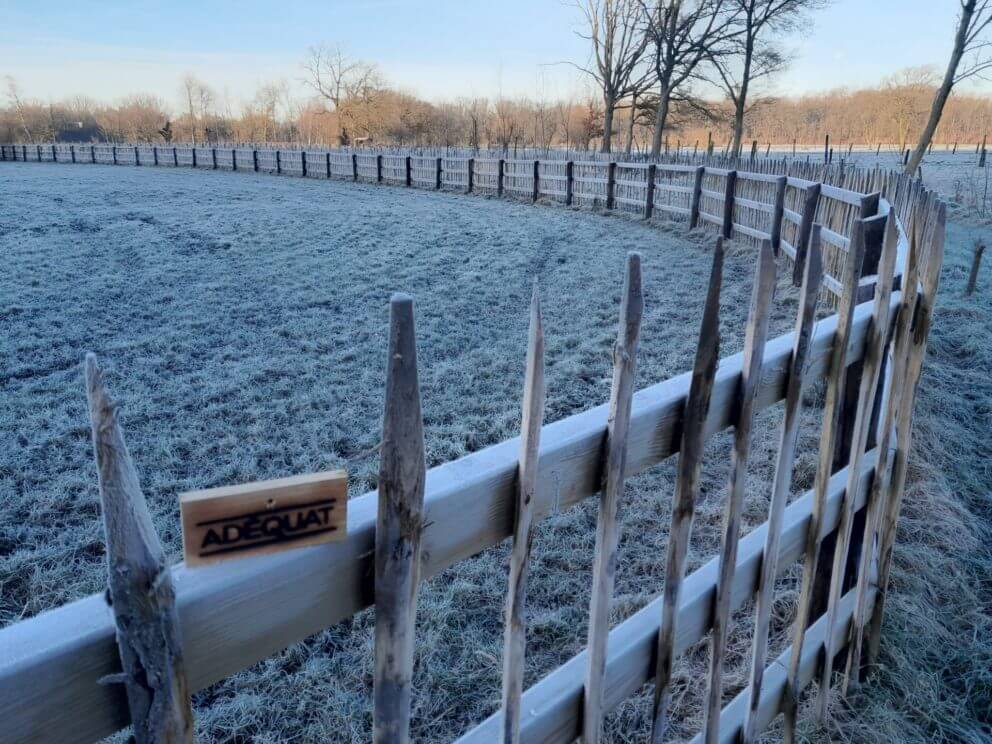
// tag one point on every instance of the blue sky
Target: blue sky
(436, 48)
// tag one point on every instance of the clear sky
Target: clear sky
(434, 48)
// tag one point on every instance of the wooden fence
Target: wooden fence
(83, 671)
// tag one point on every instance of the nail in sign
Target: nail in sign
(265, 517)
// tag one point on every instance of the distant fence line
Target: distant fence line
(60, 672)
(775, 199)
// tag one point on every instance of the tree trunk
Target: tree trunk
(735, 145)
(944, 91)
(609, 106)
(660, 119)
(630, 126)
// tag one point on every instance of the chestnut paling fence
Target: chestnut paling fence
(866, 242)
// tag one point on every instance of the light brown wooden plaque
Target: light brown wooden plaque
(265, 517)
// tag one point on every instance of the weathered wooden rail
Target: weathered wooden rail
(61, 672)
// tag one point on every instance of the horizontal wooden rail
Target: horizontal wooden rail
(51, 664)
(551, 710)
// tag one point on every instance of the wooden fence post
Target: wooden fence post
(354, 166)
(537, 180)
(175, 158)
(755, 335)
(499, 177)
(569, 182)
(437, 175)
(93, 154)
(193, 151)
(154, 156)
(213, 158)
(607, 531)
(72, 153)
(402, 471)
(38, 152)
(686, 491)
(254, 160)
(114, 152)
(728, 205)
(55, 156)
(778, 212)
(278, 162)
(697, 193)
(515, 629)
(812, 276)
(234, 159)
(470, 168)
(649, 198)
(303, 163)
(976, 261)
(137, 157)
(327, 165)
(409, 171)
(611, 182)
(805, 229)
(378, 168)
(140, 586)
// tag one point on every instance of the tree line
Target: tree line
(663, 74)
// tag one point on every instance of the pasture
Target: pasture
(242, 321)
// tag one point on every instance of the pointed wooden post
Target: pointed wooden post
(930, 277)
(754, 348)
(872, 359)
(778, 211)
(607, 534)
(686, 487)
(812, 275)
(728, 204)
(515, 630)
(649, 197)
(832, 408)
(402, 471)
(140, 585)
(697, 193)
(812, 199)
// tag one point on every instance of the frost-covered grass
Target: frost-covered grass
(242, 321)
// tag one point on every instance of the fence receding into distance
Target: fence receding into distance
(866, 242)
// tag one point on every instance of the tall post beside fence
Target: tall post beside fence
(93, 154)
(649, 197)
(810, 202)
(728, 204)
(234, 159)
(327, 164)
(137, 156)
(113, 149)
(500, 170)
(778, 212)
(536, 180)
(354, 167)
(72, 153)
(611, 184)
(697, 195)
(569, 182)
(254, 160)
(303, 162)
(213, 158)
(154, 155)
(470, 167)
(437, 174)
(55, 156)
(278, 162)
(409, 170)
(192, 151)
(378, 168)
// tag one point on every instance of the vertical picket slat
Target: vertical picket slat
(140, 583)
(754, 348)
(836, 377)
(931, 260)
(515, 631)
(402, 472)
(686, 486)
(782, 481)
(872, 360)
(607, 534)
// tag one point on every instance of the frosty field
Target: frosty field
(242, 323)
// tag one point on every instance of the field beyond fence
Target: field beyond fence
(854, 237)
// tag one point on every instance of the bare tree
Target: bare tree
(199, 98)
(336, 77)
(619, 49)
(15, 99)
(683, 35)
(973, 46)
(755, 56)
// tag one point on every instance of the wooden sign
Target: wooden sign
(264, 517)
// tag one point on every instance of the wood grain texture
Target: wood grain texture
(607, 532)
(49, 664)
(930, 264)
(140, 585)
(686, 488)
(872, 361)
(402, 470)
(898, 357)
(782, 480)
(515, 629)
(263, 517)
(552, 709)
(836, 378)
(755, 334)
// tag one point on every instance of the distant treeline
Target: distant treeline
(376, 114)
